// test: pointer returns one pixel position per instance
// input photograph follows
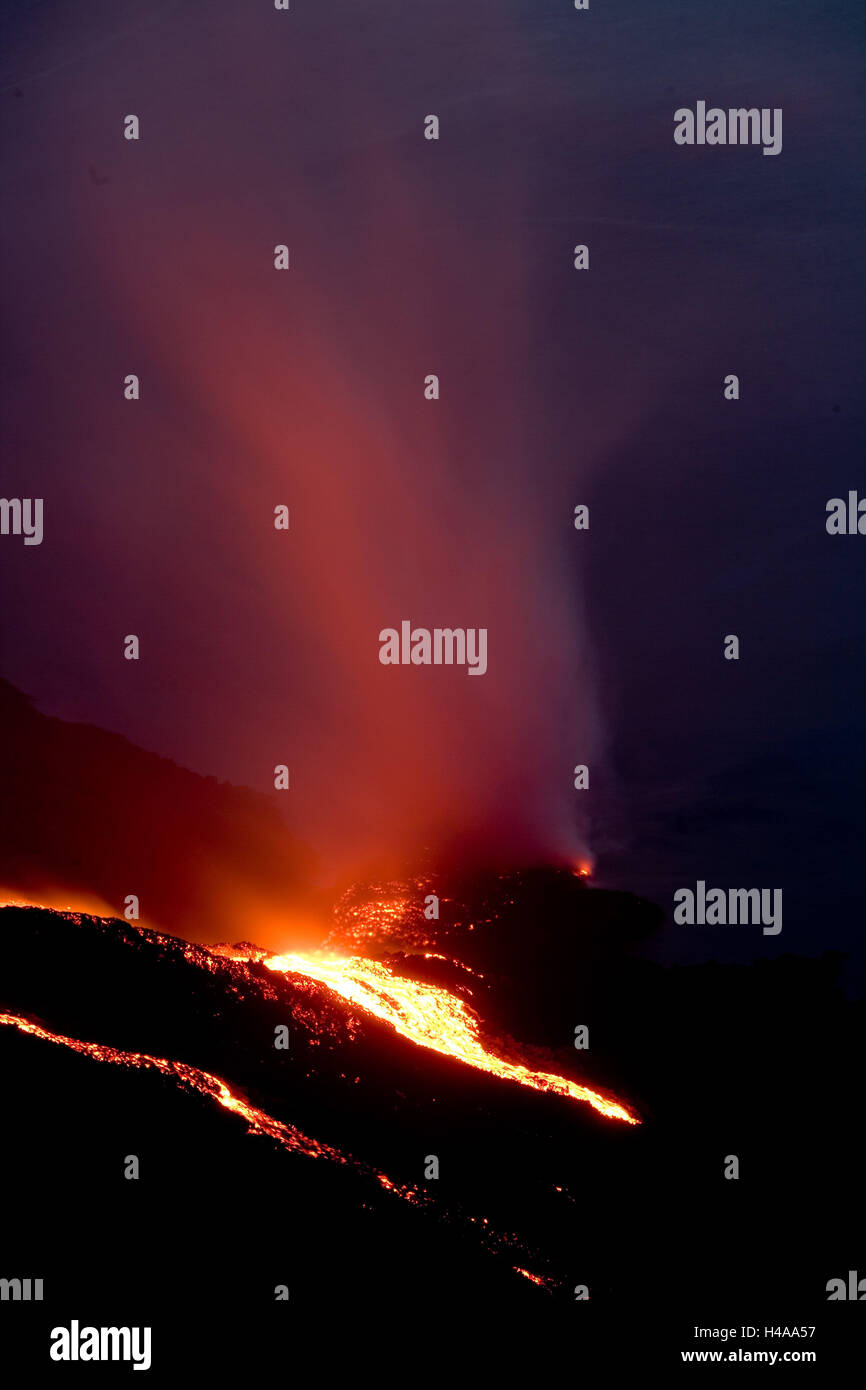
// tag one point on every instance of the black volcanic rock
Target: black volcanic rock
(753, 1061)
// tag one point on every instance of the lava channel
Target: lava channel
(259, 1122)
(194, 1079)
(427, 1015)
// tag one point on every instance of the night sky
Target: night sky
(305, 388)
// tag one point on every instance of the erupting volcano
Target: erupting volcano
(402, 1124)
(428, 1015)
(343, 1009)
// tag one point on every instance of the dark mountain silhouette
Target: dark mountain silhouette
(86, 812)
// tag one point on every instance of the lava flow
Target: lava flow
(193, 1078)
(259, 1122)
(427, 1015)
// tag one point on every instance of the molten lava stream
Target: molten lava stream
(194, 1079)
(259, 1122)
(206, 1084)
(428, 1016)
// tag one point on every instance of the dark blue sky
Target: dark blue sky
(707, 517)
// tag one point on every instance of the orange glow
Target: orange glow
(191, 1078)
(340, 422)
(55, 900)
(259, 1122)
(535, 1278)
(194, 1079)
(428, 1016)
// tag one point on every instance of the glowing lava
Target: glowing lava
(194, 1079)
(538, 1279)
(259, 1122)
(428, 1016)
